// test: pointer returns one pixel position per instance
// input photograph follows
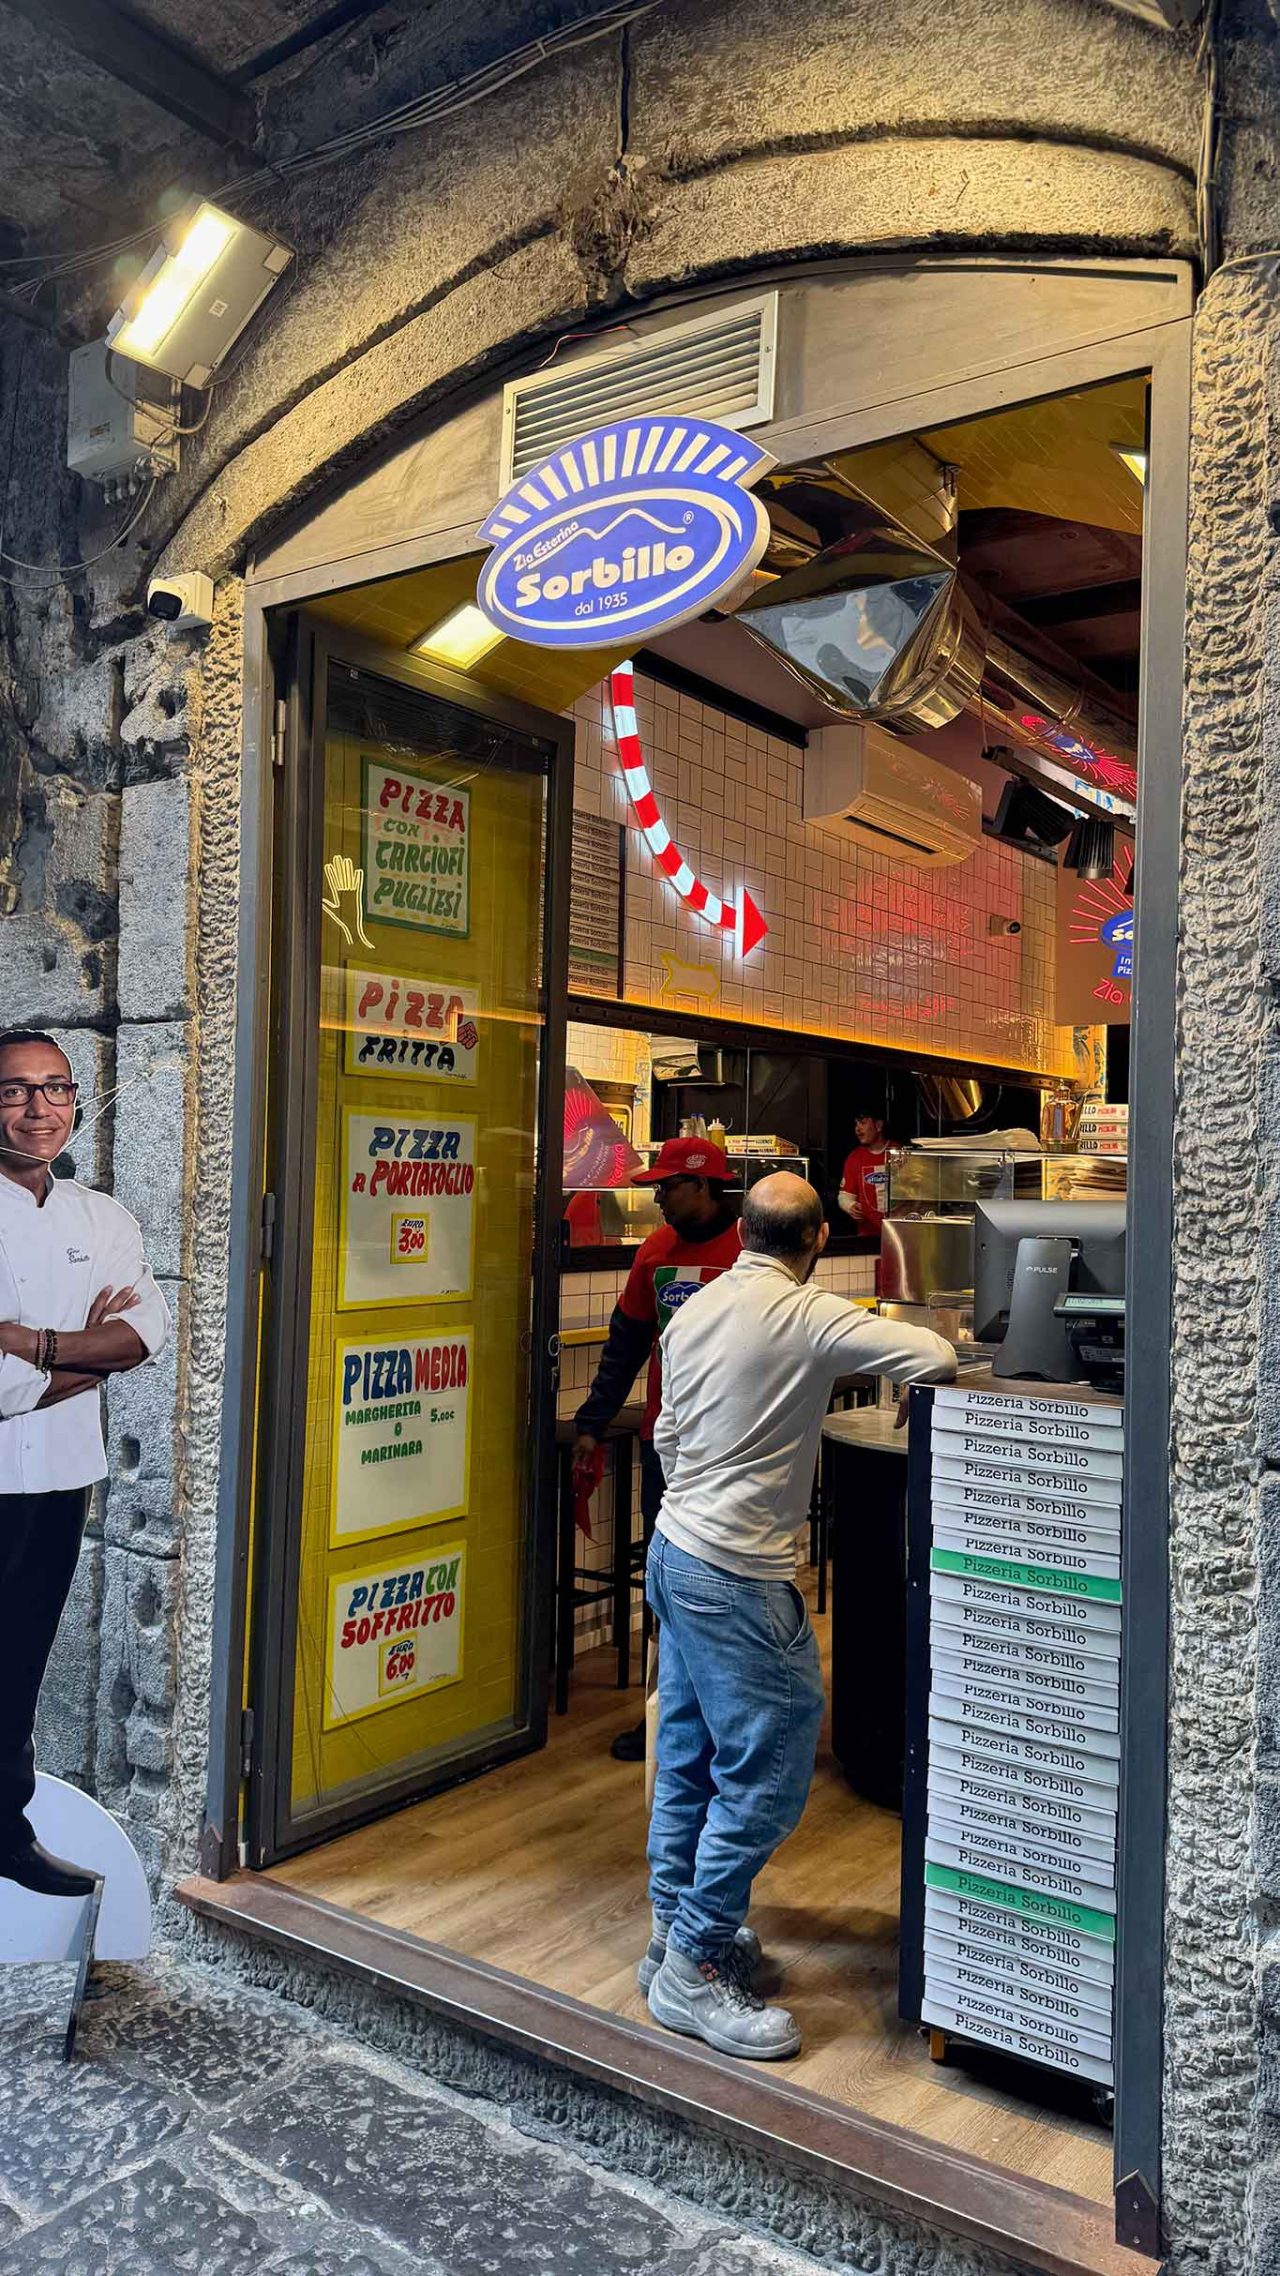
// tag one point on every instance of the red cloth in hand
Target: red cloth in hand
(586, 1477)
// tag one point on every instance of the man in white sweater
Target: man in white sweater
(747, 1376)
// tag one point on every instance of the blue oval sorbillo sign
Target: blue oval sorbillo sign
(624, 532)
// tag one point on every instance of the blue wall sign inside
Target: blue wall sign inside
(1117, 935)
(624, 532)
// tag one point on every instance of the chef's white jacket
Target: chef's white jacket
(55, 1256)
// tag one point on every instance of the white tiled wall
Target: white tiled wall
(587, 1300)
(859, 946)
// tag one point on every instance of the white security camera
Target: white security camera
(1006, 927)
(183, 603)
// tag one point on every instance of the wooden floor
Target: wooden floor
(539, 1868)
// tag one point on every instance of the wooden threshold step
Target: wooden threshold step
(1041, 2227)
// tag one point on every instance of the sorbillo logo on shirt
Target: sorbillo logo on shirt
(677, 1292)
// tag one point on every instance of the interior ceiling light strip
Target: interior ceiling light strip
(742, 919)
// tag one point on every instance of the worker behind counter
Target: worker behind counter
(864, 1181)
(697, 1242)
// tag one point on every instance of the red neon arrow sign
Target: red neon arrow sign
(744, 921)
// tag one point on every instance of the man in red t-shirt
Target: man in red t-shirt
(699, 1241)
(864, 1180)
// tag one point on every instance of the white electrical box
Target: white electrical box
(120, 422)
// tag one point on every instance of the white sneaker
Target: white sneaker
(717, 2004)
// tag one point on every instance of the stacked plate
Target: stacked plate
(1024, 1723)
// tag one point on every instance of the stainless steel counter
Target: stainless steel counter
(867, 1426)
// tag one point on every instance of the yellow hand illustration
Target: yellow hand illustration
(343, 880)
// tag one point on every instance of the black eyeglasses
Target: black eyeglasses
(59, 1091)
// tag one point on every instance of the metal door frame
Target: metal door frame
(1162, 350)
(273, 1829)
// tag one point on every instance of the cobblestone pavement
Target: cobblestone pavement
(208, 2130)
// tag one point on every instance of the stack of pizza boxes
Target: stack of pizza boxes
(1024, 1723)
(1104, 1129)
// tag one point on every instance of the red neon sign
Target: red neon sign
(744, 920)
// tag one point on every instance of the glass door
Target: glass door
(406, 1469)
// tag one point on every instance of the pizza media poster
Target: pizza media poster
(417, 850)
(398, 1023)
(393, 1634)
(408, 1208)
(402, 1410)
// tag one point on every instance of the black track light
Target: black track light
(1091, 850)
(1026, 818)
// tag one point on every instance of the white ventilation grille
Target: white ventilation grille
(717, 367)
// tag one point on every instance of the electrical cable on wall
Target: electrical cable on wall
(1207, 63)
(421, 111)
(59, 571)
(1208, 221)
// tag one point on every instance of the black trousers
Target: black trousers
(39, 1544)
(652, 1485)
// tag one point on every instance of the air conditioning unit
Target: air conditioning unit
(867, 785)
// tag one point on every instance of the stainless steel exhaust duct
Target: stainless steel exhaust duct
(878, 624)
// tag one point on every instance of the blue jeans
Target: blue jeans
(740, 1703)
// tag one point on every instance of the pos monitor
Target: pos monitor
(1035, 1265)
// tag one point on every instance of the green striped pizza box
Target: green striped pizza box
(1014, 1572)
(1021, 1600)
(1044, 1879)
(1033, 1907)
(1026, 1546)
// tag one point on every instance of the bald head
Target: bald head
(782, 1217)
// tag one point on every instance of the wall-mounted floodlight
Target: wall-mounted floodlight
(1135, 460)
(460, 639)
(196, 294)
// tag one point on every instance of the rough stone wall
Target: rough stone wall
(1221, 1394)
(99, 793)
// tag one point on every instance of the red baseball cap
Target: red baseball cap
(686, 1158)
